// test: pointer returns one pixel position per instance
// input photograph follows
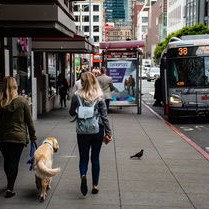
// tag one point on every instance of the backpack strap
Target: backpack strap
(79, 100)
(95, 102)
(81, 103)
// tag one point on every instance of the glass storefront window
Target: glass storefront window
(52, 73)
(22, 73)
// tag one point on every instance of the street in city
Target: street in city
(196, 129)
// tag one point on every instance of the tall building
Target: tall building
(157, 26)
(128, 12)
(88, 21)
(115, 11)
(175, 15)
(142, 24)
(186, 13)
(196, 12)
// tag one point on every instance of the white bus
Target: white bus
(185, 75)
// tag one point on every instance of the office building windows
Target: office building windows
(95, 8)
(95, 18)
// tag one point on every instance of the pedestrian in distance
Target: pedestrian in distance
(77, 84)
(106, 85)
(63, 88)
(15, 124)
(158, 95)
(90, 94)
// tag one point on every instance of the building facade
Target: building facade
(33, 48)
(175, 15)
(120, 33)
(157, 26)
(142, 24)
(197, 11)
(115, 11)
(89, 19)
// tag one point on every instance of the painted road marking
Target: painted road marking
(186, 128)
(207, 149)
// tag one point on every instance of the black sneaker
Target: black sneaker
(84, 188)
(9, 194)
(95, 191)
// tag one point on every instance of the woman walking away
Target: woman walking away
(90, 95)
(15, 119)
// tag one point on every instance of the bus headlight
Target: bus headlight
(175, 101)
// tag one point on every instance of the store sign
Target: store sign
(23, 44)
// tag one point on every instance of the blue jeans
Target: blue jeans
(93, 142)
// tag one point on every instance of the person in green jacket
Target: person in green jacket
(15, 124)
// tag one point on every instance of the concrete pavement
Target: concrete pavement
(170, 175)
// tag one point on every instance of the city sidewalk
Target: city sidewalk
(170, 175)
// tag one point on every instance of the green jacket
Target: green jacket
(15, 119)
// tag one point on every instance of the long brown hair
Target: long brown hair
(90, 90)
(9, 91)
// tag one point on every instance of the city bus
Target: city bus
(185, 77)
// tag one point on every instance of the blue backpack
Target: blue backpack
(87, 118)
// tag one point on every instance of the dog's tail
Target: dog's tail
(49, 172)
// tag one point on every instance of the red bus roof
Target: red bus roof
(121, 44)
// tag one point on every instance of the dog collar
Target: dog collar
(46, 142)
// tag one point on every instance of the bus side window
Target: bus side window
(206, 64)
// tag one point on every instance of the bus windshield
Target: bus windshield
(188, 72)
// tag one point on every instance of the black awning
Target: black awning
(35, 20)
(77, 44)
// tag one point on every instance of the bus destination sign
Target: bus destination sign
(188, 51)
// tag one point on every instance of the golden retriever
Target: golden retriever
(43, 160)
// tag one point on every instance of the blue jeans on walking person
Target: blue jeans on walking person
(93, 142)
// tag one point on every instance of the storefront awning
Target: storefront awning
(122, 44)
(35, 19)
(77, 44)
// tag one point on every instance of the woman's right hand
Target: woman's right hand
(107, 139)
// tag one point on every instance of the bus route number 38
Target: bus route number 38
(183, 51)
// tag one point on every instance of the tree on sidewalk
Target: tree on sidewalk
(192, 30)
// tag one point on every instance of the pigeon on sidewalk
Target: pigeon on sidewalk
(138, 155)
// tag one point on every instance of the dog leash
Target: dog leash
(33, 147)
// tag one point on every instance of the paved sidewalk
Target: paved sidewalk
(171, 174)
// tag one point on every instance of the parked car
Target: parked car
(153, 73)
(143, 73)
